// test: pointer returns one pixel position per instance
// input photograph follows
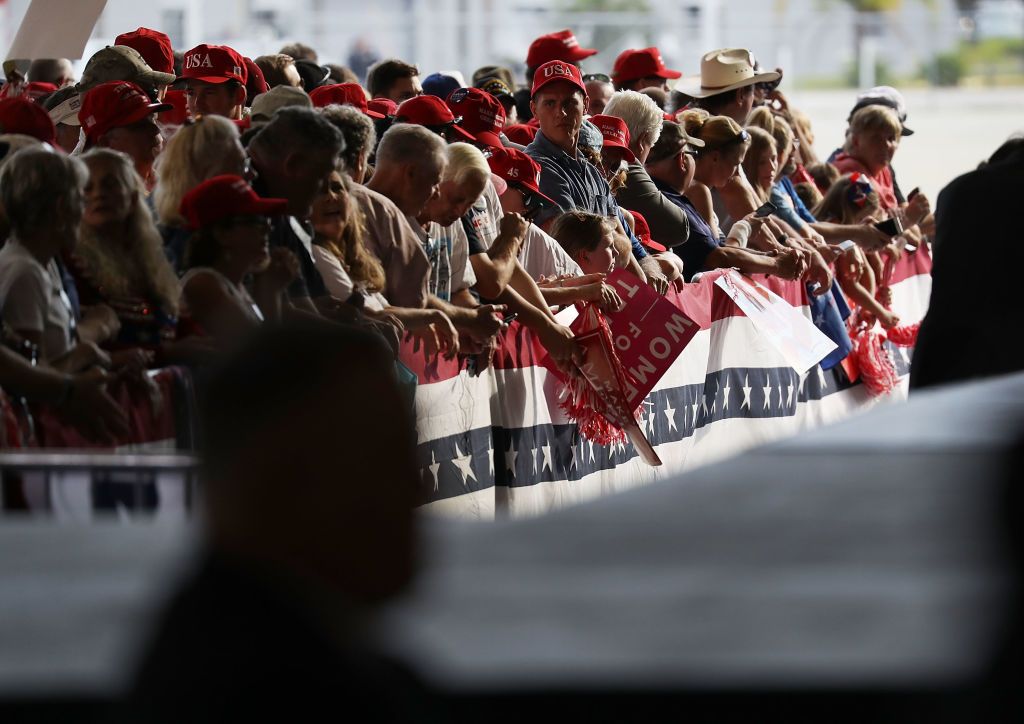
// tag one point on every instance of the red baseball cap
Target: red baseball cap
(557, 70)
(431, 111)
(214, 64)
(384, 106)
(482, 114)
(634, 64)
(20, 115)
(115, 104)
(643, 232)
(521, 133)
(556, 46)
(37, 89)
(255, 83)
(516, 168)
(343, 93)
(615, 133)
(222, 197)
(178, 101)
(154, 47)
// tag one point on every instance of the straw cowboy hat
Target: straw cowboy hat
(722, 71)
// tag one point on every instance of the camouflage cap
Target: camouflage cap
(120, 62)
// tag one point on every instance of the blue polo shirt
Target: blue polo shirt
(575, 183)
(702, 241)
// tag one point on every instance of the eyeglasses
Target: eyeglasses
(599, 77)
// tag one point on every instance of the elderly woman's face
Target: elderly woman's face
(330, 210)
(107, 198)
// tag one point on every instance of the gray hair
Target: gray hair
(356, 127)
(642, 116)
(405, 142)
(297, 129)
(40, 187)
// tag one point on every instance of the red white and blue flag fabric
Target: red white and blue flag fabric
(495, 443)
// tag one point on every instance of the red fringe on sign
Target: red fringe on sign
(595, 399)
(872, 360)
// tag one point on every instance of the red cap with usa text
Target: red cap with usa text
(557, 70)
(214, 64)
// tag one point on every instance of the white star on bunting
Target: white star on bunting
(434, 466)
(464, 463)
(547, 458)
(767, 395)
(746, 393)
(670, 415)
(510, 458)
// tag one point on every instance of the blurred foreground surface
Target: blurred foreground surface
(781, 577)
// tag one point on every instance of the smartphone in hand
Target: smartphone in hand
(766, 209)
(890, 227)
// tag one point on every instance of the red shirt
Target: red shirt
(882, 181)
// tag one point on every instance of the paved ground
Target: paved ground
(954, 129)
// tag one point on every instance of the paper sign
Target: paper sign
(649, 333)
(599, 369)
(800, 343)
(55, 29)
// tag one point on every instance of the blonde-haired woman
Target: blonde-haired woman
(200, 150)
(761, 164)
(119, 260)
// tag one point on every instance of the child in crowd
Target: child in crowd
(853, 200)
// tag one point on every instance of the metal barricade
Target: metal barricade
(74, 484)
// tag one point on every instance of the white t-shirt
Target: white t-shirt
(541, 255)
(32, 299)
(339, 283)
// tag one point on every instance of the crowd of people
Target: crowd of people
(167, 202)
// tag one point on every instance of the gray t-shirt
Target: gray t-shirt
(32, 299)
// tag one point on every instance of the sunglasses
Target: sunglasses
(599, 77)
(743, 137)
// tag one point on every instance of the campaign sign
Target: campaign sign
(649, 332)
(801, 344)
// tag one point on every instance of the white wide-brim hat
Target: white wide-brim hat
(722, 71)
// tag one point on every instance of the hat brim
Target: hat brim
(157, 78)
(372, 114)
(653, 245)
(693, 88)
(489, 138)
(906, 131)
(615, 144)
(267, 207)
(500, 184)
(535, 193)
(215, 79)
(557, 79)
(665, 73)
(463, 134)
